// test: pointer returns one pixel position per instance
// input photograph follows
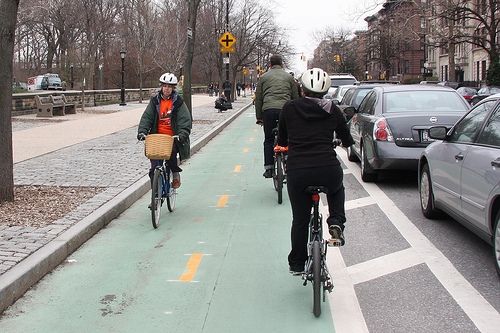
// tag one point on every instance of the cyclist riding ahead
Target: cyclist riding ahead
(274, 89)
(307, 127)
(167, 113)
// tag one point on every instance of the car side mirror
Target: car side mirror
(349, 112)
(438, 132)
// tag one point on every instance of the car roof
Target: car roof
(412, 87)
(490, 97)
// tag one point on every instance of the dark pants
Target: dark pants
(270, 120)
(172, 163)
(301, 202)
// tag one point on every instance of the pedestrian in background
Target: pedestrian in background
(274, 89)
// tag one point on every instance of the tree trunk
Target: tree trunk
(451, 55)
(188, 62)
(8, 17)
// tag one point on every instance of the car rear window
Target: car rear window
(342, 81)
(423, 100)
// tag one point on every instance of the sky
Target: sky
(304, 18)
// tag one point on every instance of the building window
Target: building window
(483, 70)
(406, 67)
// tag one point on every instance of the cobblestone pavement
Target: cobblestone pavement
(112, 162)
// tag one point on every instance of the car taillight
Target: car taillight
(468, 97)
(381, 131)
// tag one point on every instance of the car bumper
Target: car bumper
(387, 155)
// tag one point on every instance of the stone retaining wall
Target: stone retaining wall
(24, 103)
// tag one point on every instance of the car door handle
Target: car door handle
(459, 157)
(496, 163)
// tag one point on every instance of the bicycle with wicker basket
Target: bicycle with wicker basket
(159, 147)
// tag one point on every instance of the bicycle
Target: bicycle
(161, 190)
(316, 270)
(279, 171)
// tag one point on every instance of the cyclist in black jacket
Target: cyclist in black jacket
(307, 126)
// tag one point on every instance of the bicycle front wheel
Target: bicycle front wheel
(316, 270)
(171, 194)
(156, 192)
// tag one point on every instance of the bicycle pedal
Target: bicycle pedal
(333, 242)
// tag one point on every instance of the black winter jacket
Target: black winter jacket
(307, 129)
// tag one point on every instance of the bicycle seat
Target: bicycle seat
(316, 189)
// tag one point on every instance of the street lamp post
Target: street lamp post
(100, 76)
(122, 93)
(71, 74)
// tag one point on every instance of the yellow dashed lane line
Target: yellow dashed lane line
(222, 202)
(237, 168)
(191, 267)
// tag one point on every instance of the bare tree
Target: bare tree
(8, 17)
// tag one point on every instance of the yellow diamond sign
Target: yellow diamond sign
(227, 40)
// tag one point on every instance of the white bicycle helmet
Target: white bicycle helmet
(315, 80)
(168, 78)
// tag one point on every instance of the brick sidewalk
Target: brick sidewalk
(93, 163)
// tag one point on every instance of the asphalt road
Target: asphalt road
(218, 263)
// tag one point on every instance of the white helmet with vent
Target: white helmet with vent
(315, 80)
(168, 78)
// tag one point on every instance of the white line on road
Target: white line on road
(477, 308)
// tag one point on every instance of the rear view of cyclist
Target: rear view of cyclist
(167, 113)
(307, 127)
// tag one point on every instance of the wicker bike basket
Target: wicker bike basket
(158, 146)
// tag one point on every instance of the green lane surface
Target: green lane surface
(218, 263)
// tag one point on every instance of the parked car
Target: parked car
(340, 92)
(390, 128)
(340, 79)
(460, 175)
(467, 93)
(483, 93)
(354, 96)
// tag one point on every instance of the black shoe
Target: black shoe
(337, 236)
(268, 173)
(296, 271)
(149, 206)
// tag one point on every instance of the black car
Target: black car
(390, 128)
(483, 93)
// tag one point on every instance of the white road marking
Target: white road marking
(344, 303)
(361, 202)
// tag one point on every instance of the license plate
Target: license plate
(424, 136)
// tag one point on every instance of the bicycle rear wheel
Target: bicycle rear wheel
(316, 270)
(156, 193)
(171, 193)
(279, 177)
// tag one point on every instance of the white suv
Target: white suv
(341, 79)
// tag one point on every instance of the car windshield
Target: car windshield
(423, 100)
(342, 81)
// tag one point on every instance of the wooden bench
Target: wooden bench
(44, 106)
(58, 105)
(70, 107)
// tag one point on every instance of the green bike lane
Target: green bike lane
(216, 264)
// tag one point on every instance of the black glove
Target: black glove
(141, 136)
(259, 122)
(182, 138)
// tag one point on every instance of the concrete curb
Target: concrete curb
(17, 280)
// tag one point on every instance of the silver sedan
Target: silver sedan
(460, 174)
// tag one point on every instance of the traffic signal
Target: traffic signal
(337, 58)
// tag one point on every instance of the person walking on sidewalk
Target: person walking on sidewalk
(167, 113)
(307, 126)
(274, 89)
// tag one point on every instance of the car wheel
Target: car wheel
(496, 242)
(426, 195)
(351, 156)
(367, 173)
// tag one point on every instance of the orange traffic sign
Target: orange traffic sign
(227, 50)
(227, 40)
